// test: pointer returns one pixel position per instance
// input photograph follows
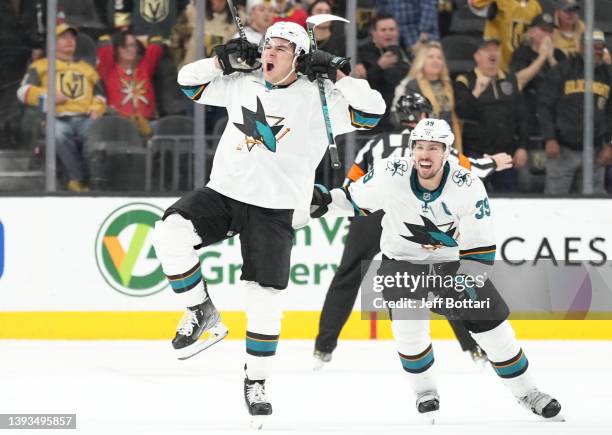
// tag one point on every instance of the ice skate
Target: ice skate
(199, 329)
(542, 404)
(321, 359)
(256, 402)
(428, 406)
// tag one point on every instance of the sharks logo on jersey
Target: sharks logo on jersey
(258, 130)
(430, 236)
(460, 177)
(397, 167)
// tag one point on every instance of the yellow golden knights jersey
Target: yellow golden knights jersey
(78, 81)
(509, 24)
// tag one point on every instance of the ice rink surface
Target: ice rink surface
(127, 387)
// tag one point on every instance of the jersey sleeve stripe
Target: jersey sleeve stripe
(484, 254)
(193, 92)
(365, 120)
(358, 211)
(481, 258)
(479, 250)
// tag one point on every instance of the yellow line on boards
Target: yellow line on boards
(296, 325)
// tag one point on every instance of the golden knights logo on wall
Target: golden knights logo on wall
(154, 11)
(72, 84)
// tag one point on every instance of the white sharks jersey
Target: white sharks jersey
(276, 136)
(451, 223)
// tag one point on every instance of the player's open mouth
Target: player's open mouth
(425, 165)
(269, 66)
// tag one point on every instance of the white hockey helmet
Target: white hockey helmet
(292, 32)
(433, 130)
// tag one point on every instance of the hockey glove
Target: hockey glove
(238, 55)
(323, 63)
(321, 198)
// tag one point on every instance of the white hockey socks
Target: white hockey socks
(174, 241)
(507, 358)
(264, 314)
(416, 353)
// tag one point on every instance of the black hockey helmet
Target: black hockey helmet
(409, 108)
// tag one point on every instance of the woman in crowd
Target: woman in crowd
(219, 28)
(126, 69)
(429, 77)
(329, 36)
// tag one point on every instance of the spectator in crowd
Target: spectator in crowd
(329, 36)
(259, 16)
(531, 61)
(417, 19)
(384, 62)
(507, 20)
(338, 7)
(429, 77)
(126, 69)
(288, 10)
(79, 100)
(569, 27)
(219, 28)
(491, 106)
(561, 113)
(148, 18)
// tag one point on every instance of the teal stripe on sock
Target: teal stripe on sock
(182, 283)
(261, 346)
(417, 364)
(512, 368)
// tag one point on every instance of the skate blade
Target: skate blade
(558, 418)
(257, 422)
(213, 335)
(429, 418)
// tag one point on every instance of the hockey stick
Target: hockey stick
(237, 19)
(311, 23)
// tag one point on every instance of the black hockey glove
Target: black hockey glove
(321, 198)
(323, 63)
(238, 55)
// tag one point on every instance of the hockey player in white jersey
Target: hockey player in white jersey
(363, 237)
(263, 170)
(437, 218)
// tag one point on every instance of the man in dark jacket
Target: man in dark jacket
(385, 63)
(532, 61)
(491, 106)
(561, 109)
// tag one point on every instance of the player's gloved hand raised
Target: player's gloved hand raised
(238, 55)
(323, 63)
(321, 198)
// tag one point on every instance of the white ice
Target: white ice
(127, 387)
